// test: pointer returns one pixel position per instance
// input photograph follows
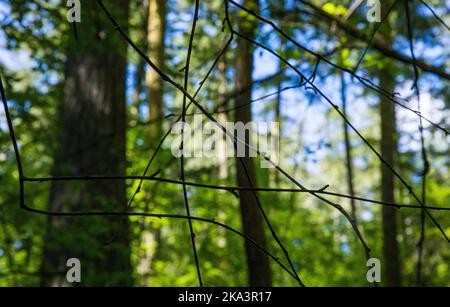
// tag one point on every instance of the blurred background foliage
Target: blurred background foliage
(326, 252)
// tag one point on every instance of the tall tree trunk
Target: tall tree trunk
(93, 110)
(348, 149)
(222, 118)
(252, 222)
(388, 151)
(141, 65)
(156, 47)
(276, 133)
(156, 27)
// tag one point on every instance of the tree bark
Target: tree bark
(92, 111)
(388, 151)
(156, 49)
(348, 149)
(156, 27)
(252, 222)
(222, 118)
(141, 65)
(276, 134)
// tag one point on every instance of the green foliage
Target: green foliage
(321, 242)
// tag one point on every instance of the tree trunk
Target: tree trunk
(140, 67)
(222, 118)
(156, 27)
(156, 47)
(348, 149)
(252, 222)
(388, 151)
(93, 112)
(276, 133)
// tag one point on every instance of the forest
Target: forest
(225, 143)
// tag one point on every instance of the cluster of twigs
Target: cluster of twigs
(307, 83)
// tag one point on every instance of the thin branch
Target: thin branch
(183, 119)
(426, 164)
(366, 82)
(372, 36)
(167, 78)
(379, 45)
(230, 189)
(435, 15)
(334, 106)
(160, 216)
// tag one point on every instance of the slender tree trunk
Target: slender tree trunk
(252, 222)
(156, 47)
(134, 110)
(222, 118)
(388, 151)
(276, 133)
(156, 28)
(93, 109)
(140, 67)
(391, 254)
(348, 149)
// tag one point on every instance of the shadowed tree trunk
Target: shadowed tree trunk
(388, 151)
(141, 65)
(93, 112)
(222, 118)
(348, 149)
(252, 222)
(391, 261)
